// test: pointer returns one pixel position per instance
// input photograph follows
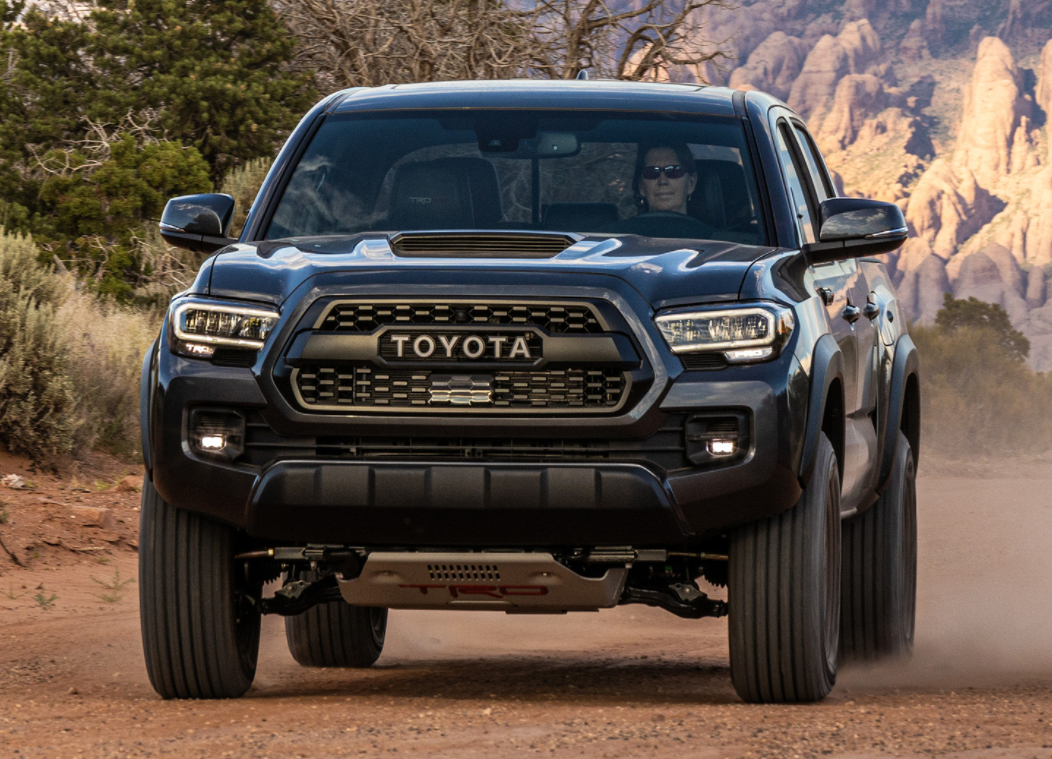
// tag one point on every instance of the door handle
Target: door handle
(871, 310)
(851, 314)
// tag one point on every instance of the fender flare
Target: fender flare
(906, 364)
(146, 383)
(827, 365)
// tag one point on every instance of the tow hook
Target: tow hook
(682, 599)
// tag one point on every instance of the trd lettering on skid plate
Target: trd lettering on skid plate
(492, 591)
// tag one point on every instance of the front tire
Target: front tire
(337, 634)
(784, 595)
(200, 638)
(879, 594)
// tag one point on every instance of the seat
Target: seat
(579, 217)
(721, 198)
(446, 193)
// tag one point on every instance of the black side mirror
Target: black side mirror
(198, 222)
(857, 227)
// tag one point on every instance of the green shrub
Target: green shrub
(36, 393)
(978, 396)
(243, 184)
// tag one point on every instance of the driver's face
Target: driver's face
(664, 194)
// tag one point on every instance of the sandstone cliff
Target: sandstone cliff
(942, 106)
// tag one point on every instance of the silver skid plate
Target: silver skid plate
(512, 582)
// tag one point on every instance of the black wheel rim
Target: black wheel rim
(378, 625)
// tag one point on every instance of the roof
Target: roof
(575, 94)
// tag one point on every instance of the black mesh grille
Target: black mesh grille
(664, 449)
(703, 362)
(553, 318)
(334, 387)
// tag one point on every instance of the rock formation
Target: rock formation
(773, 66)
(856, 50)
(994, 106)
(1044, 80)
(947, 207)
(981, 278)
(858, 97)
(921, 290)
(1035, 287)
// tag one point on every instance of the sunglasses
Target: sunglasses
(672, 172)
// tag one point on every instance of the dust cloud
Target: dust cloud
(984, 607)
(984, 596)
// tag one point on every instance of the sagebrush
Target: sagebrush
(69, 360)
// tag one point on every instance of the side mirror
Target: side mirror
(857, 227)
(198, 222)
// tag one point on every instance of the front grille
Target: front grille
(475, 245)
(324, 388)
(663, 450)
(553, 318)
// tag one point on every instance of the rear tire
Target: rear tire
(337, 634)
(879, 595)
(784, 595)
(200, 638)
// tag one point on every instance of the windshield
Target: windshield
(592, 173)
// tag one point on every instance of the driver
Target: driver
(665, 179)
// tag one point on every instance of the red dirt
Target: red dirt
(629, 682)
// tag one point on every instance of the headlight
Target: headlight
(749, 333)
(199, 327)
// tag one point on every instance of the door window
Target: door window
(819, 180)
(805, 223)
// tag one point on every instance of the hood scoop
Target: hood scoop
(458, 244)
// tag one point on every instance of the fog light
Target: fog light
(217, 432)
(213, 442)
(722, 447)
(717, 436)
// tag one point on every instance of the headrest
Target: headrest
(580, 217)
(447, 193)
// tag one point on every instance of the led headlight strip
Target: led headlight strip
(747, 333)
(200, 326)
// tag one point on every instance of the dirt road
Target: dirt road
(630, 682)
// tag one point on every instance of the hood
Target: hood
(666, 272)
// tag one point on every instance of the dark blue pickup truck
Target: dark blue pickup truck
(533, 347)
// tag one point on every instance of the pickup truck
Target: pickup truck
(533, 347)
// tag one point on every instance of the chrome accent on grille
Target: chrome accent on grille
(332, 388)
(461, 389)
(555, 318)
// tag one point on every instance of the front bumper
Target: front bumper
(441, 503)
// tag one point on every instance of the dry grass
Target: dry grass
(105, 346)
